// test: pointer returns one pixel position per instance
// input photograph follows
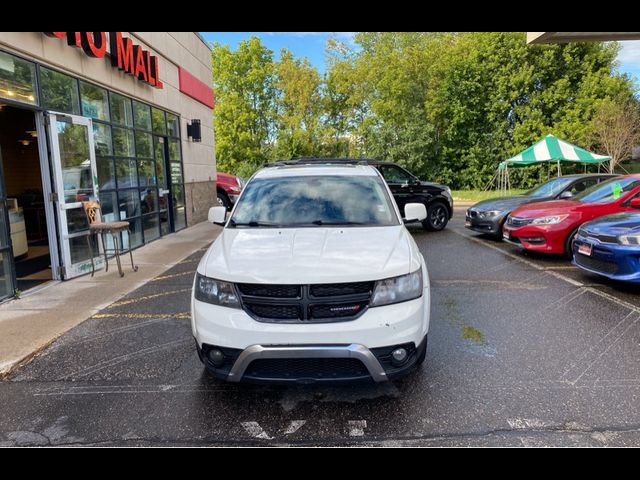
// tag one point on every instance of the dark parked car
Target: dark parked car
(489, 216)
(405, 187)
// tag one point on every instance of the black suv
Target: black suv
(406, 188)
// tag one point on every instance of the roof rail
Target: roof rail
(315, 160)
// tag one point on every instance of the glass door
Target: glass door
(6, 258)
(75, 179)
(164, 194)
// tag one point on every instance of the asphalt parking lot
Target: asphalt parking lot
(523, 350)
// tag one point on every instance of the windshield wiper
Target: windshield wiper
(253, 223)
(322, 222)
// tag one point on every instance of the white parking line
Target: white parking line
(255, 430)
(356, 428)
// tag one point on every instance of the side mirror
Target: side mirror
(217, 215)
(414, 212)
(566, 195)
(635, 202)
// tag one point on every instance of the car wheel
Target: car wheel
(223, 200)
(568, 244)
(437, 217)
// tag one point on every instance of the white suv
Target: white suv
(314, 278)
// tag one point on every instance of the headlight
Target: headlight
(216, 292)
(550, 220)
(629, 239)
(397, 289)
(489, 214)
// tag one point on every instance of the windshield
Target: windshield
(608, 191)
(314, 201)
(550, 189)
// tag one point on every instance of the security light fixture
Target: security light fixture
(194, 131)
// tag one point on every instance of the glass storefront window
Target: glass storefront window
(123, 142)
(121, 110)
(147, 172)
(6, 274)
(134, 235)
(17, 80)
(59, 92)
(159, 125)
(129, 203)
(76, 167)
(174, 150)
(142, 115)
(151, 228)
(176, 173)
(144, 145)
(102, 139)
(173, 125)
(95, 101)
(104, 166)
(158, 146)
(179, 210)
(149, 200)
(109, 206)
(126, 173)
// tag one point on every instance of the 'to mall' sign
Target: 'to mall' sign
(125, 56)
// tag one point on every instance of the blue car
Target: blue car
(610, 246)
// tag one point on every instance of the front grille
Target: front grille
(596, 264)
(279, 312)
(331, 302)
(602, 238)
(306, 368)
(334, 289)
(518, 221)
(336, 310)
(278, 291)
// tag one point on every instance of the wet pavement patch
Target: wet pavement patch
(516, 356)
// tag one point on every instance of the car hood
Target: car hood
(503, 204)
(616, 224)
(541, 209)
(310, 255)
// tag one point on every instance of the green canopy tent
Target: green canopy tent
(549, 149)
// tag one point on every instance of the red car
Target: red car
(550, 227)
(228, 188)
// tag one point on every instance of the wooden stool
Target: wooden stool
(98, 227)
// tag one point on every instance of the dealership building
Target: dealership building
(122, 117)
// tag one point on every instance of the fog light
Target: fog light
(399, 356)
(216, 357)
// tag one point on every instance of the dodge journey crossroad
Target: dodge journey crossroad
(314, 278)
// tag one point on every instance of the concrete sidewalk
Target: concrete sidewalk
(30, 323)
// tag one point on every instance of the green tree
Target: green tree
(244, 118)
(299, 107)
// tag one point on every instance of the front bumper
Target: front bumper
(614, 261)
(303, 364)
(491, 225)
(243, 339)
(537, 238)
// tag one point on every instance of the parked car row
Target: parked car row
(592, 219)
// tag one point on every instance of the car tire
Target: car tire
(223, 200)
(437, 217)
(568, 244)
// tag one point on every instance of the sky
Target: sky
(312, 45)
